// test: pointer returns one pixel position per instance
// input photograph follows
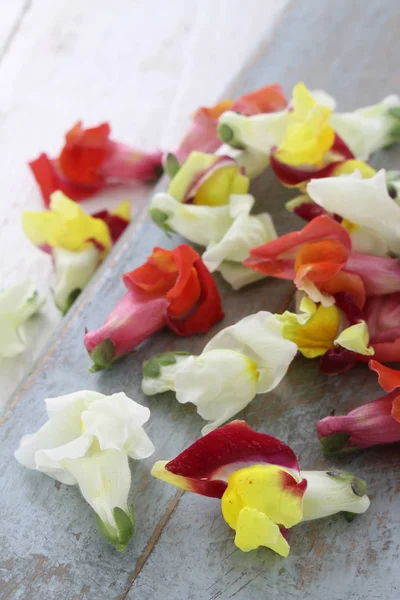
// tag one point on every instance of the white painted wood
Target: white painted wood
(143, 65)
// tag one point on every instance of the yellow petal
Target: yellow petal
(123, 210)
(313, 332)
(265, 489)
(349, 166)
(356, 339)
(254, 529)
(215, 191)
(66, 226)
(308, 135)
(159, 471)
(194, 165)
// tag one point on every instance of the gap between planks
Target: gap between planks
(15, 28)
(157, 532)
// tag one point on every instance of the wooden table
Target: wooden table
(143, 65)
(183, 550)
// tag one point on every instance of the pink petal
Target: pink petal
(133, 319)
(367, 425)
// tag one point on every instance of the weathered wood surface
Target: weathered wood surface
(140, 64)
(183, 550)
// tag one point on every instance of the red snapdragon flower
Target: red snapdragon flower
(89, 161)
(172, 288)
(376, 422)
(320, 261)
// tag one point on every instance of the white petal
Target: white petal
(365, 202)
(246, 232)
(116, 422)
(260, 132)
(331, 492)
(73, 272)
(104, 480)
(259, 338)
(198, 224)
(237, 275)
(63, 428)
(19, 302)
(252, 162)
(82, 399)
(324, 98)
(366, 130)
(12, 341)
(219, 383)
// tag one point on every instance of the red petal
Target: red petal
(50, 180)
(84, 153)
(211, 459)
(115, 223)
(276, 257)
(208, 309)
(389, 379)
(187, 289)
(156, 276)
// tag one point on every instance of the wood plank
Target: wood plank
(345, 52)
(65, 60)
(182, 549)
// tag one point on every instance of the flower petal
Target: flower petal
(389, 379)
(245, 502)
(313, 331)
(259, 338)
(365, 202)
(246, 232)
(356, 339)
(219, 383)
(74, 270)
(368, 129)
(205, 466)
(65, 226)
(104, 479)
(330, 492)
(198, 224)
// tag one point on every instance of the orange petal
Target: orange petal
(345, 282)
(389, 379)
(320, 261)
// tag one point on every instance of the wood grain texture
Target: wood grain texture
(183, 550)
(143, 65)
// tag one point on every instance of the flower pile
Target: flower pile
(344, 262)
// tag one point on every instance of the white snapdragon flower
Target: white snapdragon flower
(17, 304)
(87, 441)
(245, 359)
(371, 216)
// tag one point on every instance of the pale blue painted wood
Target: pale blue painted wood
(50, 548)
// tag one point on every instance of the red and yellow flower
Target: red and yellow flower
(258, 479)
